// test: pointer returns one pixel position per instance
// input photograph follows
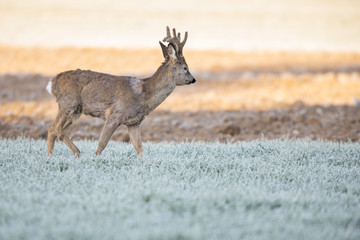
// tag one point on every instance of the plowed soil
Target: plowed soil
(238, 96)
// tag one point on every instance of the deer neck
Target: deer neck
(158, 87)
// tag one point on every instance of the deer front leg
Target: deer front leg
(135, 138)
(109, 128)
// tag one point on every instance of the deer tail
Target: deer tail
(48, 87)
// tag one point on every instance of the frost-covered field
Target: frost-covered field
(252, 190)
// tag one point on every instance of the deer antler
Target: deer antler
(175, 39)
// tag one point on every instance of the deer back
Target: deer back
(97, 93)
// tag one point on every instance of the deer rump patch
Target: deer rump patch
(136, 85)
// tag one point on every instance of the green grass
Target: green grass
(278, 189)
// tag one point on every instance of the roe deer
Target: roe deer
(116, 99)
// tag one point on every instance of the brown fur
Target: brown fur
(115, 99)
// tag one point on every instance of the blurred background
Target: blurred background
(235, 25)
(278, 68)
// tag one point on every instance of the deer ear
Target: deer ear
(164, 50)
(171, 51)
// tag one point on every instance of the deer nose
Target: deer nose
(193, 81)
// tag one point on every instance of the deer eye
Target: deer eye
(185, 68)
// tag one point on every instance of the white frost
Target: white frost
(269, 189)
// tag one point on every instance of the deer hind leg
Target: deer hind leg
(135, 138)
(62, 121)
(51, 137)
(73, 117)
(111, 124)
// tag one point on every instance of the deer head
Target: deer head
(175, 59)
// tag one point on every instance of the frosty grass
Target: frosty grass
(271, 189)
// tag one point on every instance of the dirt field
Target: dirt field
(238, 96)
